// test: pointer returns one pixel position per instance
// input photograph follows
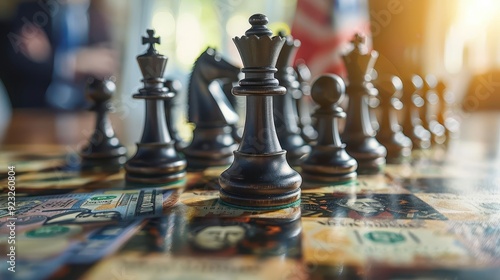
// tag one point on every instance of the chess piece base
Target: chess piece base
(369, 154)
(420, 137)
(398, 148)
(111, 164)
(155, 163)
(260, 180)
(212, 146)
(328, 164)
(104, 156)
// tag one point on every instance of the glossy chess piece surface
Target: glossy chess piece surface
(412, 123)
(156, 161)
(104, 150)
(328, 161)
(358, 134)
(260, 176)
(390, 134)
(211, 112)
(285, 110)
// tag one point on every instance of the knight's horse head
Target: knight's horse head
(214, 67)
(212, 102)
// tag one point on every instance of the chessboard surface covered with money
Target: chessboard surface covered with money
(367, 202)
(436, 217)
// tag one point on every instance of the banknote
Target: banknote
(482, 238)
(79, 208)
(393, 243)
(161, 266)
(367, 206)
(364, 184)
(477, 207)
(40, 252)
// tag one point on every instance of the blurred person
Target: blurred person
(50, 48)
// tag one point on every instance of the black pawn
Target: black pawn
(328, 161)
(285, 109)
(260, 176)
(390, 135)
(358, 134)
(156, 160)
(412, 123)
(104, 150)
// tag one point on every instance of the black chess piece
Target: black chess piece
(260, 176)
(156, 160)
(175, 86)
(373, 104)
(211, 111)
(428, 110)
(443, 114)
(358, 134)
(104, 150)
(390, 135)
(304, 103)
(285, 110)
(328, 161)
(412, 124)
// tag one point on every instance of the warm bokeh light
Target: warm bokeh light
(472, 38)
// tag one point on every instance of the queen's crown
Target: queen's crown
(257, 48)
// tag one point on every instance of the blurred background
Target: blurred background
(48, 48)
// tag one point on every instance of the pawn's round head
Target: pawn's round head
(100, 90)
(328, 90)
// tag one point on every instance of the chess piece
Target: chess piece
(358, 134)
(156, 160)
(285, 110)
(174, 86)
(390, 135)
(260, 176)
(304, 103)
(211, 112)
(428, 110)
(373, 104)
(443, 115)
(104, 149)
(412, 124)
(328, 161)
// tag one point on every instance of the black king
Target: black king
(260, 175)
(358, 134)
(156, 160)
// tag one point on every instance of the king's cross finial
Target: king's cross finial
(151, 40)
(359, 41)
